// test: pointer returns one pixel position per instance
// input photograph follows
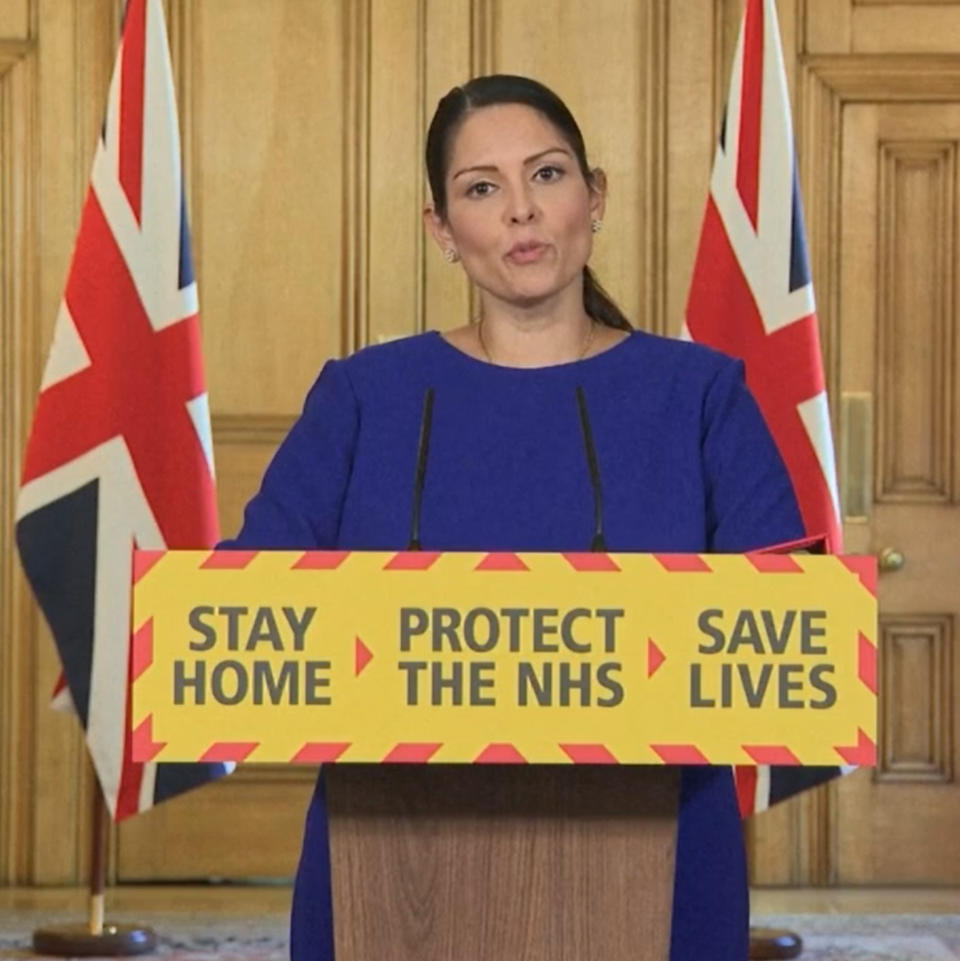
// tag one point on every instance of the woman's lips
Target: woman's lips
(526, 253)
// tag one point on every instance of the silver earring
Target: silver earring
(596, 226)
(450, 255)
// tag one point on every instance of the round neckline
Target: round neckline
(565, 365)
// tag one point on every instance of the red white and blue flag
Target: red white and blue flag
(120, 451)
(752, 297)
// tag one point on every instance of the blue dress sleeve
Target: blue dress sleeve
(750, 498)
(301, 496)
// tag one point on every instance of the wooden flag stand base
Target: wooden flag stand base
(770, 944)
(78, 941)
(97, 938)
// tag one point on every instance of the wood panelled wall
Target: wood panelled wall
(303, 124)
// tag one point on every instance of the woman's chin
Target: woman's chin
(533, 294)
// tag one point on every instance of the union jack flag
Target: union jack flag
(752, 296)
(120, 450)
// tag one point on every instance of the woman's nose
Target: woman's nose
(521, 208)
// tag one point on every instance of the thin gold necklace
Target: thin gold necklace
(490, 360)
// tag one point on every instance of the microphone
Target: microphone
(421, 473)
(598, 543)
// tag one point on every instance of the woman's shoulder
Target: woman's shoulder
(681, 356)
(371, 372)
(390, 347)
(394, 354)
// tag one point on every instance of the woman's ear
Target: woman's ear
(598, 193)
(438, 229)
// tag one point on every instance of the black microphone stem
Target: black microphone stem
(598, 542)
(423, 449)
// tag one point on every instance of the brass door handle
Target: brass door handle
(890, 560)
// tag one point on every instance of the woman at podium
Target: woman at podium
(546, 402)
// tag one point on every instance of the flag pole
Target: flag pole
(99, 839)
(97, 937)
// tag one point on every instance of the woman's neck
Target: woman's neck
(535, 336)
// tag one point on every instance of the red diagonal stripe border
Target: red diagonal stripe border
(412, 561)
(771, 754)
(141, 649)
(589, 753)
(863, 753)
(229, 751)
(774, 563)
(683, 563)
(227, 560)
(319, 560)
(144, 561)
(319, 752)
(143, 748)
(595, 561)
(411, 752)
(867, 661)
(500, 753)
(865, 568)
(501, 561)
(680, 753)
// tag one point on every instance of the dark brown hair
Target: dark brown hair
(454, 108)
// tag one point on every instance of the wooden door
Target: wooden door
(879, 125)
(899, 322)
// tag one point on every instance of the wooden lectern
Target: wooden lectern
(439, 862)
(590, 667)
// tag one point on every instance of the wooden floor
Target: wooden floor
(240, 900)
(855, 901)
(224, 900)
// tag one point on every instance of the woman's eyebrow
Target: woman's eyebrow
(492, 168)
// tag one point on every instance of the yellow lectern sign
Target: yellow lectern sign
(546, 658)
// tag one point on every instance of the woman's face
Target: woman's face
(519, 211)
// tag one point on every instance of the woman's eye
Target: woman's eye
(481, 188)
(548, 174)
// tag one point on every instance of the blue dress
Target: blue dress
(686, 464)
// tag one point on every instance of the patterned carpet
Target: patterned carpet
(197, 939)
(876, 937)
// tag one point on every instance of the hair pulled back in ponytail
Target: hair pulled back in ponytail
(454, 108)
(600, 305)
